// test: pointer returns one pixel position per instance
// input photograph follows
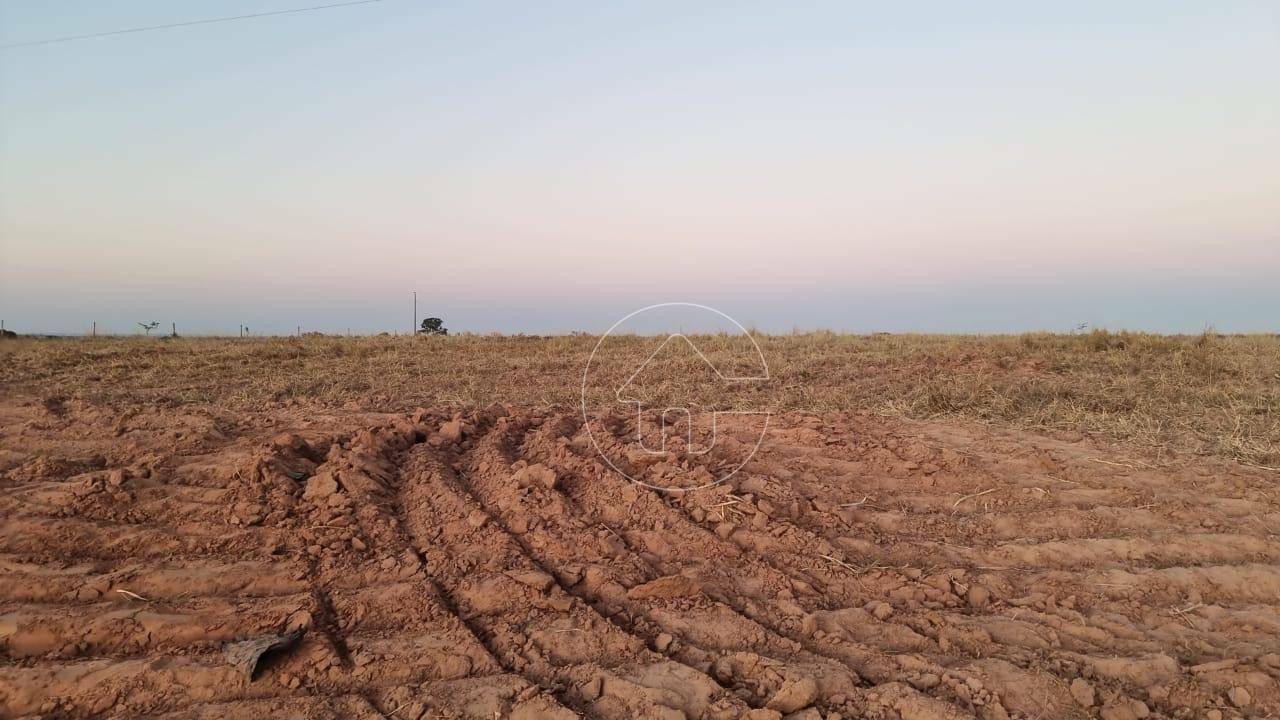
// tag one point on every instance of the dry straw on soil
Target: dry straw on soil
(1208, 393)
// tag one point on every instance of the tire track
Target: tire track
(763, 589)
(527, 621)
(661, 607)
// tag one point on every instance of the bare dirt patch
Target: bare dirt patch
(483, 562)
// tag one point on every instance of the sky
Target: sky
(550, 167)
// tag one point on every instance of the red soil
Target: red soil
(487, 564)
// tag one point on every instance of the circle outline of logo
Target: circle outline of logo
(586, 419)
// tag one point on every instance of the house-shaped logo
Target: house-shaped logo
(676, 411)
(679, 359)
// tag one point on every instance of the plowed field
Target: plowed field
(487, 564)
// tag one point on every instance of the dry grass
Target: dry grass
(1211, 394)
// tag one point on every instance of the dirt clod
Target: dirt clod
(536, 475)
(794, 695)
(320, 487)
(451, 431)
(978, 596)
(1082, 692)
(1239, 697)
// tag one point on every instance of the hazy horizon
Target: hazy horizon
(854, 167)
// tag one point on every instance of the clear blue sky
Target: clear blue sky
(927, 166)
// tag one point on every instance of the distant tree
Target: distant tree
(433, 326)
(148, 327)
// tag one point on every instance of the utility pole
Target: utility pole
(414, 329)
(95, 328)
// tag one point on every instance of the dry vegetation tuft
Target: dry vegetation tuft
(1210, 394)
